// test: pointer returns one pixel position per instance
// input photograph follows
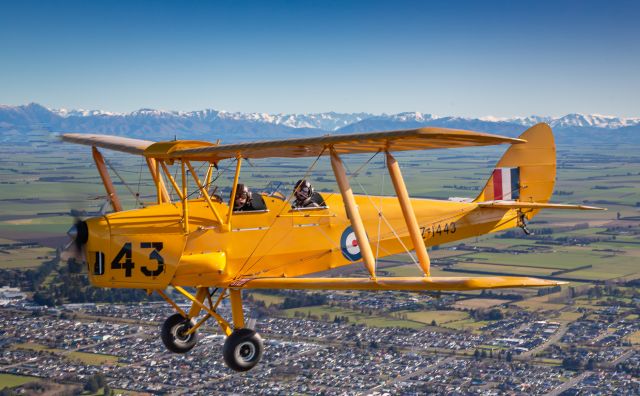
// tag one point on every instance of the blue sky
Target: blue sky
(499, 58)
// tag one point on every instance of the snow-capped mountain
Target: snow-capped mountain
(594, 120)
(81, 113)
(571, 120)
(233, 126)
(330, 121)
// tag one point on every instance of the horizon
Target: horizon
(461, 59)
(487, 117)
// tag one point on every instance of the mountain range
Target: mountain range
(234, 126)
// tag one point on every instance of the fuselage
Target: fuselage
(148, 247)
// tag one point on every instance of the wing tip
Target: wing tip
(585, 207)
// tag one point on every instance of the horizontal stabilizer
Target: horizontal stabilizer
(394, 283)
(534, 205)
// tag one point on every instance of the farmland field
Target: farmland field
(11, 380)
(268, 299)
(93, 359)
(354, 317)
(25, 258)
(44, 179)
(441, 317)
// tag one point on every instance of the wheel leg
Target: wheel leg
(242, 349)
(226, 328)
(195, 309)
(236, 308)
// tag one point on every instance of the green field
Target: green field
(441, 317)
(465, 324)
(11, 380)
(25, 258)
(94, 359)
(35, 347)
(354, 317)
(537, 305)
(603, 265)
(634, 338)
(411, 270)
(568, 316)
(268, 299)
(499, 269)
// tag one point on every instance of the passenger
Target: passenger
(305, 197)
(243, 200)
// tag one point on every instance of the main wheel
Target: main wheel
(173, 334)
(242, 349)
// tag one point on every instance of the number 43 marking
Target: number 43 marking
(128, 265)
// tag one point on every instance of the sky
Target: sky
(461, 58)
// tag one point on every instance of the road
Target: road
(575, 380)
(409, 375)
(550, 341)
(569, 384)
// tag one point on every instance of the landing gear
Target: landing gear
(243, 349)
(174, 334)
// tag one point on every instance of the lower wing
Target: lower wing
(393, 283)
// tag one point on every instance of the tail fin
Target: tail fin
(527, 171)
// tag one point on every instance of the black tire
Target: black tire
(242, 350)
(173, 337)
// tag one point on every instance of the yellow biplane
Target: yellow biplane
(202, 243)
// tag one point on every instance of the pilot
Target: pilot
(305, 197)
(243, 200)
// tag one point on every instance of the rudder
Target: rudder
(527, 171)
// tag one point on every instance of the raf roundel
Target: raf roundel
(349, 245)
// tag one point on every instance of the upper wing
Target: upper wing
(117, 143)
(369, 142)
(410, 139)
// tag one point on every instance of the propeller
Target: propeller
(78, 234)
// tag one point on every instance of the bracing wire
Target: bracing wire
(356, 172)
(383, 217)
(121, 178)
(138, 201)
(197, 190)
(276, 217)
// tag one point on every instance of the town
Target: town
(524, 353)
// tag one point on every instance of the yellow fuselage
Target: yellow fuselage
(148, 248)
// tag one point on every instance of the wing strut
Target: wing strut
(203, 190)
(161, 189)
(353, 213)
(185, 195)
(408, 213)
(106, 180)
(234, 189)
